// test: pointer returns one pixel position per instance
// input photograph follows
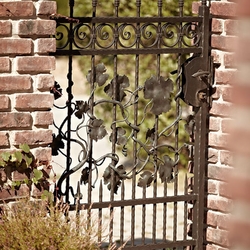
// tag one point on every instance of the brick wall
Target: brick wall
(25, 78)
(220, 159)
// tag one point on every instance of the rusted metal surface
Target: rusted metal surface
(155, 154)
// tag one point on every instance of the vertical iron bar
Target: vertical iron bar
(185, 209)
(70, 98)
(122, 214)
(100, 213)
(143, 215)
(164, 233)
(114, 135)
(201, 138)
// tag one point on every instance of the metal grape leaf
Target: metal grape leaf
(120, 138)
(119, 175)
(85, 176)
(159, 91)
(97, 131)
(122, 82)
(56, 90)
(166, 169)
(56, 144)
(99, 75)
(81, 107)
(145, 179)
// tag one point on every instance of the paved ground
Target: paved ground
(100, 149)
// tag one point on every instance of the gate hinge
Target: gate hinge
(197, 82)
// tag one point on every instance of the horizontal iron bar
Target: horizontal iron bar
(144, 51)
(160, 245)
(131, 19)
(124, 203)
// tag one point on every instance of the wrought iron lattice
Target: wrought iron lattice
(130, 101)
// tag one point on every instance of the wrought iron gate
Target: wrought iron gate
(157, 190)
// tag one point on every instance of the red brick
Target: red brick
(226, 158)
(231, 27)
(224, 190)
(35, 64)
(221, 109)
(217, 219)
(37, 190)
(212, 187)
(229, 60)
(4, 65)
(225, 43)
(217, 55)
(43, 154)
(45, 45)
(219, 140)
(10, 46)
(212, 155)
(5, 28)
(227, 94)
(17, 9)
(227, 76)
(217, 236)
(217, 203)
(10, 194)
(43, 118)
(223, 9)
(34, 101)
(15, 120)
(227, 125)
(36, 27)
(211, 247)
(217, 25)
(47, 8)
(214, 123)
(15, 83)
(34, 138)
(218, 172)
(4, 139)
(45, 82)
(17, 176)
(5, 103)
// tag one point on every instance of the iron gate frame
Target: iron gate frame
(202, 48)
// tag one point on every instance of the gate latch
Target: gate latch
(196, 82)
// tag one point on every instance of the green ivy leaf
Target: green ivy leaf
(26, 181)
(25, 147)
(16, 183)
(2, 163)
(5, 156)
(38, 174)
(28, 160)
(18, 156)
(34, 180)
(46, 195)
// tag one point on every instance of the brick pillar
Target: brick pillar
(25, 78)
(220, 160)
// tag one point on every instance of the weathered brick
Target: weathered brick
(10, 46)
(47, 8)
(217, 203)
(212, 187)
(217, 55)
(17, 9)
(217, 25)
(225, 43)
(224, 190)
(43, 118)
(15, 120)
(221, 109)
(219, 140)
(13, 194)
(218, 172)
(34, 138)
(36, 27)
(5, 28)
(227, 125)
(45, 82)
(217, 236)
(231, 27)
(217, 219)
(45, 45)
(211, 247)
(4, 103)
(15, 83)
(229, 60)
(226, 158)
(34, 102)
(43, 154)
(4, 139)
(212, 155)
(214, 123)
(227, 94)
(37, 64)
(4, 65)
(38, 189)
(227, 76)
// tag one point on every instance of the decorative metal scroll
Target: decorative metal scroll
(127, 35)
